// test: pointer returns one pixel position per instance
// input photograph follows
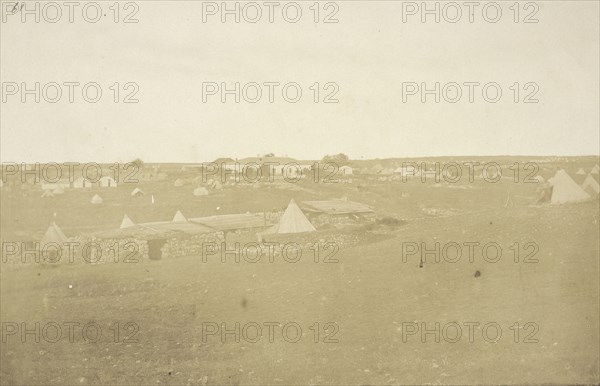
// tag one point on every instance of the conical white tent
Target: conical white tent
(179, 182)
(595, 169)
(126, 223)
(565, 190)
(581, 172)
(179, 217)
(201, 191)
(137, 192)
(294, 221)
(53, 235)
(47, 193)
(590, 185)
(96, 199)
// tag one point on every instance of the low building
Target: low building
(163, 239)
(242, 222)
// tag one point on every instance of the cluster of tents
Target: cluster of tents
(595, 170)
(137, 192)
(563, 189)
(128, 222)
(96, 199)
(200, 190)
(293, 220)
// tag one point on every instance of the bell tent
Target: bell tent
(53, 235)
(565, 190)
(590, 185)
(293, 221)
(179, 217)
(96, 200)
(201, 191)
(126, 223)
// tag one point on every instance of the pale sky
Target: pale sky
(369, 53)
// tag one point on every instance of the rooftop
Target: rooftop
(159, 229)
(336, 207)
(232, 221)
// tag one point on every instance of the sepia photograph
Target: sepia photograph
(308, 192)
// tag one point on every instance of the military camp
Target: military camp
(221, 244)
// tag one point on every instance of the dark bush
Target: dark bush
(390, 221)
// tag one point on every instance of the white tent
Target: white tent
(179, 217)
(53, 235)
(293, 221)
(539, 179)
(47, 193)
(126, 223)
(200, 191)
(137, 192)
(346, 170)
(96, 199)
(179, 182)
(565, 190)
(581, 172)
(595, 169)
(590, 185)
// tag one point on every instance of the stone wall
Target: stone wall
(322, 220)
(108, 251)
(112, 250)
(189, 245)
(79, 250)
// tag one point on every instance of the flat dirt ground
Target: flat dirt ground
(370, 295)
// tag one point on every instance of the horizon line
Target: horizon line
(302, 159)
